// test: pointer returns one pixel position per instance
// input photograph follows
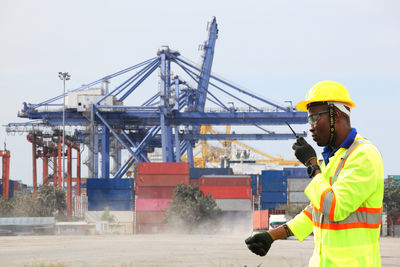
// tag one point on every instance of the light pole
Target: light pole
(64, 76)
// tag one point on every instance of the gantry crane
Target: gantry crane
(169, 119)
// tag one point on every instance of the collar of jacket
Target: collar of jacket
(330, 151)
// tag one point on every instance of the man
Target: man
(346, 190)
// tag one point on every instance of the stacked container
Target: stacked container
(254, 191)
(196, 173)
(297, 181)
(155, 184)
(273, 189)
(116, 194)
(232, 194)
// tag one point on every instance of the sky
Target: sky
(277, 49)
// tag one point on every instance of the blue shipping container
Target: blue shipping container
(268, 205)
(109, 194)
(254, 189)
(253, 178)
(254, 184)
(117, 194)
(295, 172)
(10, 189)
(272, 175)
(97, 183)
(274, 197)
(273, 185)
(112, 205)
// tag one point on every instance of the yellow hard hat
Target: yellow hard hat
(326, 91)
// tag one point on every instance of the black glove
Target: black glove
(304, 151)
(259, 243)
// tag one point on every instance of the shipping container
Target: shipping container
(234, 204)
(163, 168)
(254, 183)
(270, 205)
(149, 228)
(100, 205)
(272, 175)
(152, 204)
(117, 194)
(254, 190)
(273, 185)
(155, 191)
(260, 220)
(227, 192)
(196, 173)
(276, 211)
(109, 183)
(295, 172)
(297, 197)
(279, 197)
(10, 189)
(161, 179)
(225, 180)
(110, 194)
(16, 185)
(149, 216)
(297, 184)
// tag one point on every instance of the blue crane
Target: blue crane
(171, 118)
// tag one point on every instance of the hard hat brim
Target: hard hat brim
(302, 105)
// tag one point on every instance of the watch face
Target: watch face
(311, 169)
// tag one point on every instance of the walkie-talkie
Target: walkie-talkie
(295, 134)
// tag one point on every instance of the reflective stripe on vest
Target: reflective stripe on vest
(357, 219)
(363, 217)
(308, 211)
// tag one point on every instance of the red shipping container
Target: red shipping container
(260, 220)
(149, 216)
(163, 168)
(155, 191)
(16, 184)
(149, 228)
(225, 180)
(228, 191)
(152, 204)
(162, 179)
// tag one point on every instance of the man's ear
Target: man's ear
(337, 113)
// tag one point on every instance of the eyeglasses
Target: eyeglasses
(314, 118)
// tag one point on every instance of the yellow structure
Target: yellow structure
(214, 154)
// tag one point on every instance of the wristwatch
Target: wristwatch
(311, 170)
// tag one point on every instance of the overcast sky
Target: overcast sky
(278, 49)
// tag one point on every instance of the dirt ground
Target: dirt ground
(161, 250)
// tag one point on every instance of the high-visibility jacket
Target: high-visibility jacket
(345, 208)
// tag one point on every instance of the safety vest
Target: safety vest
(345, 208)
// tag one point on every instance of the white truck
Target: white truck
(276, 220)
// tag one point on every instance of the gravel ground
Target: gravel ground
(161, 250)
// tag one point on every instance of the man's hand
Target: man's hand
(259, 243)
(304, 151)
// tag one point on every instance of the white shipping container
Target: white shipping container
(297, 197)
(234, 204)
(297, 185)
